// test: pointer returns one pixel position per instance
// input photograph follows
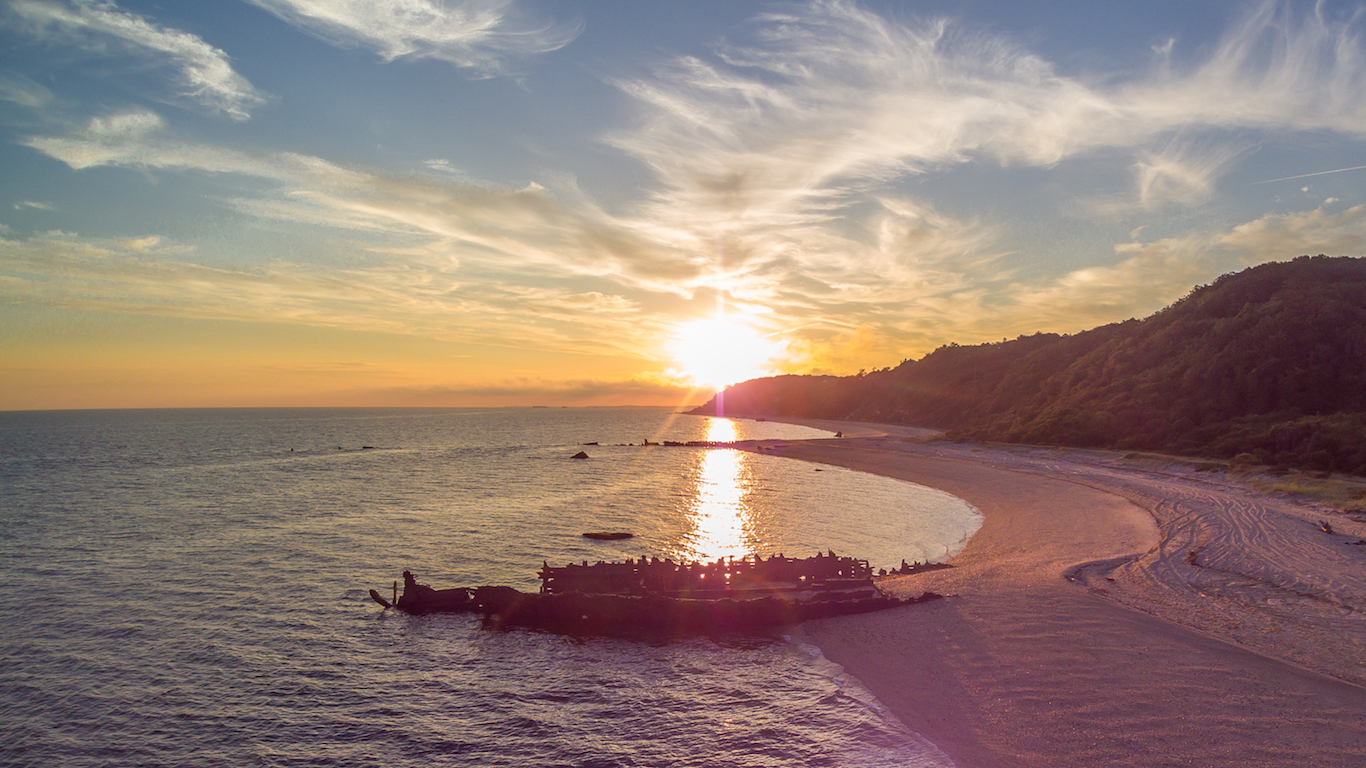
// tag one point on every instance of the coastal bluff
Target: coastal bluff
(1264, 366)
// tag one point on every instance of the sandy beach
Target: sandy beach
(1113, 612)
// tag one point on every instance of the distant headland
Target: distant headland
(1265, 366)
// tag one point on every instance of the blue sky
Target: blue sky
(300, 202)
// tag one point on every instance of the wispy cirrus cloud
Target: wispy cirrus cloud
(136, 139)
(479, 35)
(20, 90)
(779, 174)
(496, 266)
(1284, 67)
(832, 98)
(1181, 174)
(528, 230)
(477, 263)
(779, 157)
(203, 72)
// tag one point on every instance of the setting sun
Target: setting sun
(718, 353)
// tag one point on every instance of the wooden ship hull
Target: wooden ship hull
(653, 599)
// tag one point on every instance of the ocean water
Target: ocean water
(189, 587)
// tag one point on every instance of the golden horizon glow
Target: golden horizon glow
(717, 353)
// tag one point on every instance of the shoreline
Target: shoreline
(1110, 614)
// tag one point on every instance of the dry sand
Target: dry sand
(1113, 613)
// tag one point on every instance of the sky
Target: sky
(507, 202)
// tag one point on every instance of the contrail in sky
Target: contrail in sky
(1307, 175)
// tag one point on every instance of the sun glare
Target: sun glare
(718, 353)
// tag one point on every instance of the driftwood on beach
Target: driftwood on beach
(660, 598)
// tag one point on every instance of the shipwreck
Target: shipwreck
(660, 598)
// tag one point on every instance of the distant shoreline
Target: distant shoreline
(1067, 641)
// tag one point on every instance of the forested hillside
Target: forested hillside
(1268, 362)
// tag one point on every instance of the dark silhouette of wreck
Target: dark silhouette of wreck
(654, 598)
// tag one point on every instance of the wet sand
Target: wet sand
(1112, 613)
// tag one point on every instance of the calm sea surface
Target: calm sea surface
(188, 588)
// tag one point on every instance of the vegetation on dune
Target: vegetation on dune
(1267, 365)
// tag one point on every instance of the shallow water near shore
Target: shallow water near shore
(189, 587)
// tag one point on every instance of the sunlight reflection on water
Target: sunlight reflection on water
(721, 515)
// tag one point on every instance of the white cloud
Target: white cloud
(1283, 236)
(33, 205)
(480, 35)
(203, 71)
(442, 165)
